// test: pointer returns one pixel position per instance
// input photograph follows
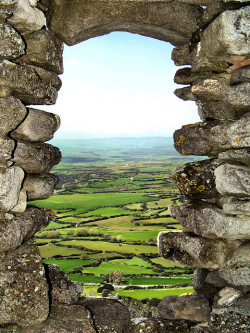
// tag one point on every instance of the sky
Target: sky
(117, 85)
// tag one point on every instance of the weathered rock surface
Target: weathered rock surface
(7, 147)
(191, 307)
(36, 158)
(15, 228)
(210, 88)
(38, 126)
(240, 75)
(75, 22)
(62, 289)
(24, 83)
(237, 156)
(211, 222)
(148, 325)
(51, 78)
(26, 17)
(228, 296)
(185, 94)
(211, 138)
(21, 203)
(12, 113)
(40, 187)
(181, 55)
(195, 251)
(232, 180)
(23, 287)
(12, 46)
(232, 205)
(238, 98)
(10, 185)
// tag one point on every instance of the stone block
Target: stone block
(51, 78)
(38, 126)
(21, 203)
(211, 222)
(40, 187)
(26, 17)
(187, 76)
(148, 325)
(195, 251)
(228, 296)
(17, 227)
(62, 289)
(181, 55)
(232, 180)
(194, 308)
(10, 185)
(36, 158)
(74, 23)
(12, 113)
(212, 137)
(240, 75)
(185, 94)
(44, 50)
(24, 83)
(23, 287)
(7, 147)
(237, 98)
(233, 36)
(217, 110)
(232, 205)
(237, 156)
(211, 88)
(12, 45)
(196, 180)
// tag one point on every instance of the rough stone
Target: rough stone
(7, 147)
(212, 137)
(12, 46)
(10, 185)
(44, 50)
(195, 251)
(232, 205)
(210, 89)
(196, 180)
(187, 76)
(211, 222)
(185, 94)
(21, 203)
(15, 228)
(24, 83)
(75, 22)
(148, 325)
(5, 14)
(181, 55)
(233, 36)
(26, 18)
(12, 113)
(237, 98)
(8, 4)
(38, 126)
(23, 287)
(62, 289)
(240, 75)
(238, 156)
(232, 180)
(228, 296)
(50, 78)
(40, 187)
(36, 158)
(194, 308)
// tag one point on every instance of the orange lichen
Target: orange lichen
(17, 292)
(201, 188)
(238, 142)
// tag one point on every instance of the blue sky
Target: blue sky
(120, 84)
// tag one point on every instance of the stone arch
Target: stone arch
(215, 233)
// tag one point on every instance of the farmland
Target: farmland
(112, 201)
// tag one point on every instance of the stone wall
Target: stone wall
(212, 40)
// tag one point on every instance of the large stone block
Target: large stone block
(38, 126)
(232, 180)
(237, 156)
(212, 137)
(10, 185)
(211, 222)
(240, 75)
(51, 78)
(74, 22)
(12, 113)
(196, 251)
(7, 147)
(23, 287)
(15, 228)
(21, 203)
(40, 187)
(185, 94)
(232, 205)
(211, 88)
(233, 36)
(237, 98)
(12, 45)
(44, 50)
(26, 17)
(24, 83)
(181, 55)
(196, 180)
(36, 158)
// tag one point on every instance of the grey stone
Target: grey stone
(185, 94)
(24, 83)
(15, 228)
(40, 187)
(212, 137)
(50, 78)
(36, 158)
(62, 289)
(5, 14)
(74, 23)
(194, 308)
(232, 205)
(196, 180)
(187, 76)
(7, 147)
(232, 180)
(228, 296)
(12, 46)
(23, 287)
(12, 113)
(240, 75)
(238, 98)
(26, 18)
(10, 185)
(216, 110)
(233, 36)
(38, 126)
(211, 222)
(211, 88)
(44, 50)
(21, 203)
(181, 55)
(8, 4)
(196, 251)
(237, 156)
(148, 325)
